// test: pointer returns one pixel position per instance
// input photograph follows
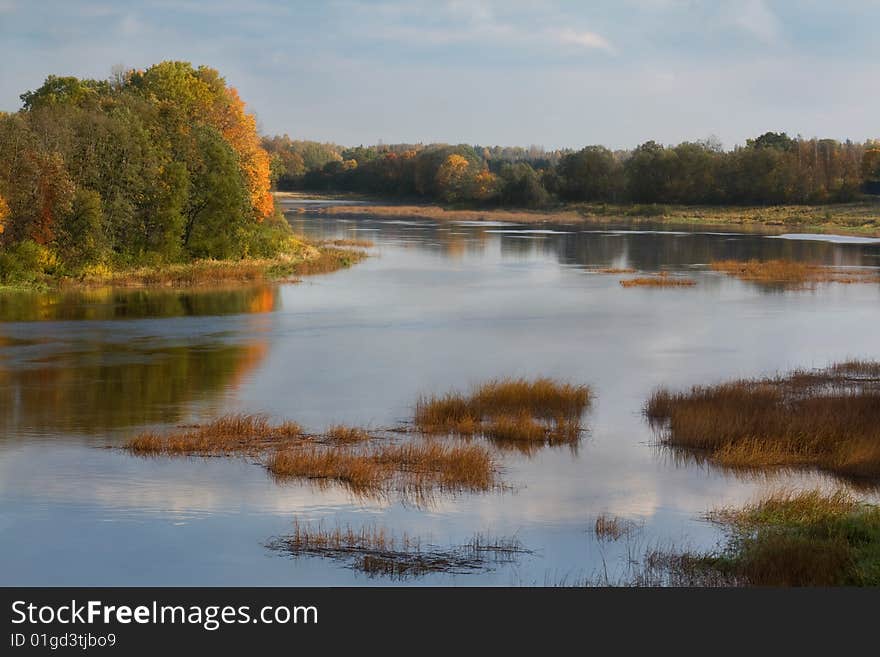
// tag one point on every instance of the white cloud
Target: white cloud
(584, 39)
(756, 18)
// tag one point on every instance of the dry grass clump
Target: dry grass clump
(378, 552)
(663, 279)
(612, 528)
(234, 433)
(617, 270)
(340, 433)
(328, 260)
(827, 418)
(361, 243)
(420, 467)
(790, 273)
(539, 411)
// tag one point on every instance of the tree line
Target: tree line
(770, 169)
(152, 166)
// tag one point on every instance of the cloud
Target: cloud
(755, 18)
(584, 39)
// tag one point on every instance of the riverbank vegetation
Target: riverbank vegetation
(857, 218)
(154, 169)
(508, 411)
(803, 538)
(771, 169)
(827, 419)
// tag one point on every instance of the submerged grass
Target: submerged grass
(829, 419)
(790, 273)
(509, 411)
(378, 552)
(612, 528)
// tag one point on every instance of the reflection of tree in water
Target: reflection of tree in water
(89, 386)
(653, 251)
(116, 385)
(107, 303)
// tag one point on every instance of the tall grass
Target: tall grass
(234, 433)
(416, 467)
(661, 280)
(827, 418)
(790, 273)
(802, 538)
(511, 410)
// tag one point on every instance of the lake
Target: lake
(438, 306)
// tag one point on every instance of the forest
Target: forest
(771, 169)
(166, 165)
(151, 167)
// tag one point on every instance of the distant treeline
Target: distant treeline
(771, 169)
(154, 166)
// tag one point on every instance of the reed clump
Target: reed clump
(408, 467)
(612, 528)
(512, 410)
(618, 270)
(802, 538)
(229, 434)
(829, 419)
(360, 243)
(663, 279)
(328, 260)
(341, 433)
(378, 552)
(790, 273)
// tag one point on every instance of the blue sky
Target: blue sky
(548, 73)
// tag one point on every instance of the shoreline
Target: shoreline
(207, 274)
(855, 219)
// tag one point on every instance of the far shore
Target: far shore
(860, 218)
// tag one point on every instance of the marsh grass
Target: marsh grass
(617, 270)
(663, 279)
(508, 411)
(343, 434)
(792, 274)
(801, 538)
(360, 243)
(229, 434)
(410, 468)
(858, 218)
(829, 419)
(328, 260)
(613, 528)
(378, 552)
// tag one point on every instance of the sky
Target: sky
(554, 74)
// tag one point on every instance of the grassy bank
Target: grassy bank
(862, 218)
(302, 259)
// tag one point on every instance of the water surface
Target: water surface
(439, 306)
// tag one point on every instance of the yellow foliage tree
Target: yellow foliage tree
(4, 213)
(871, 164)
(239, 128)
(452, 177)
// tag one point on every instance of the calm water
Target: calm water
(440, 306)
